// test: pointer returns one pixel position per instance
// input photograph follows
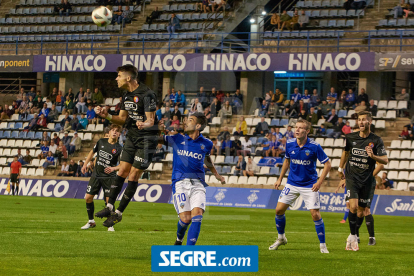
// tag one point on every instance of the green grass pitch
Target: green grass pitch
(42, 236)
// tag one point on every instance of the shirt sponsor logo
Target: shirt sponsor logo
(195, 155)
(139, 159)
(301, 162)
(105, 155)
(359, 152)
(131, 105)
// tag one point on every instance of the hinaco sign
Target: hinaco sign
(316, 62)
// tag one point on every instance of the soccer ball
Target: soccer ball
(102, 16)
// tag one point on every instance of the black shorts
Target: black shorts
(364, 192)
(13, 178)
(139, 152)
(95, 185)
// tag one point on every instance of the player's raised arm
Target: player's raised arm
(210, 165)
(119, 120)
(285, 167)
(88, 159)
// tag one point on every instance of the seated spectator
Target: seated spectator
(236, 145)
(66, 8)
(337, 127)
(332, 96)
(64, 171)
(83, 123)
(342, 100)
(289, 133)
(315, 99)
(26, 159)
(282, 147)
(291, 109)
(386, 183)
(227, 147)
(360, 107)
(403, 96)
(296, 95)
(202, 97)
(215, 148)
(154, 15)
(81, 106)
(73, 167)
(331, 119)
(88, 94)
(350, 99)
(242, 125)
(303, 115)
(362, 96)
(50, 160)
(173, 24)
(399, 9)
(53, 114)
(55, 139)
(285, 18)
(66, 139)
(45, 149)
(207, 113)
(69, 105)
(158, 112)
(159, 154)
(275, 22)
(303, 21)
(262, 128)
(52, 147)
(404, 134)
(45, 111)
(32, 124)
(177, 112)
(324, 107)
(222, 135)
(75, 143)
(41, 122)
(321, 131)
(19, 156)
(61, 152)
(273, 110)
(58, 7)
(126, 17)
(293, 22)
(240, 166)
(196, 106)
(346, 129)
(251, 167)
(215, 107)
(372, 108)
(301, 105)
(79, 170)
(218, 4)
(204, 6)
(306, 97)
(180, 99)
(60, 99)
(246, 148)
(74, 122)
(263, 108)
(116, 14)
(226, 112)
(274, 147)
(220, 96)
(23, 106)
(278, 97)
(60, 126)
(91, 115)
(358, 4)
(175, 121)
(97, 97)
(45, 137)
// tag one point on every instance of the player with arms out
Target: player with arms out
(301, 157)
(191, 152)
(362, 151)
(107, 152)
(138, 113)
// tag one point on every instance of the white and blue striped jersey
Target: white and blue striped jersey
(303, 162)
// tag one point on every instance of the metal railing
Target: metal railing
(295, 41)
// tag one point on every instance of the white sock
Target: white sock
(280, 236)
(91, 220)
(110, 206)
(322, 244)
(118, 212)
(179, 240)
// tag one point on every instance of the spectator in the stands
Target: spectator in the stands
(358, 4)
(74, 122)
(272, 110)
(50, 160)
(404, 133)
(173, 24)
(53, 114)
(360, 107)
(303, 21)
(399, 9)
(66, 140)
(52, 147)
(296, 95)
(97, 97)
(66, 8)
(291, 109)
(275, 22)
(60, 99)
(321, 131)
(61, 151)
(180, 99)
(45, 137)
(207, 113)
(60, 126)
(238, 132)
(240, 166)
(154, 15)
(24, 107)
(167, 97)
(403, 96)
(337, 129)
(41, 122)
(342, 100)
(215, 107)
(44, 150)
(56, 139)
(83, 123)
(386, 183)
(331, 119)
(79, 95)
(202, 97)
(241, 123)
(69, 105)
(278, 97)
(293, 22)
(228, 98)
(324, 107)
(315, 99)
(175, 120)
(222, 135)
(173, 95)
(176, 112)
(32, 124)
(236, 145)
(289, 133)
(215, 148)
(277, 134)
(159, 154)
(58, 7)
(301, 105)
(126, 16)
(332, 95)
(347, 4)
(220, 96)
(88, 95)
(78, 172)
(227, 147)
(75, 143)
(48, 103)
(158, 112)
(373, 108)
(73, 167)
(45, 111)
(226, 112)
(263, 108)
(284, 19)
(362, 96)
(20, 96)
(26, 159)
(350, 99)
(64, 171)
(167, 113)
(251, 167)
(91, 115)
(196, 106)
(303, 115)
(204, 6)
(117, 14)
(306, 97)
(262, 127)
(346, 129)
(81, 106)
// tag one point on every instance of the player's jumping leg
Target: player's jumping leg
(352, 241)
(182, 226)
(90, 207)
(369, 221)
(320, 229)
(194, 231)
(280, 220)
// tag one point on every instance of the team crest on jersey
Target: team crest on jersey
(371, 144)
(202, 146)
(307, 152)
(182, 205)
(136, 99)
(113, 151)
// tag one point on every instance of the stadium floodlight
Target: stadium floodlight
(252, 20)
(263, 12)
(279, 72)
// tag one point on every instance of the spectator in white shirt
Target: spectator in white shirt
(196, 106)
(64, 171)
(251, 167)
(246, 147)
(52, 147)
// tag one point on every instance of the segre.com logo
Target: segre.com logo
(228, 258)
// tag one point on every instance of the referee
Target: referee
(362, 151)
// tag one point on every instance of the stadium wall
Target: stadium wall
(395, 205)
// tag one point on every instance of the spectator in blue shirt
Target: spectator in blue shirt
(306, 97)
(315, 99)
(44, 149)
(173, 95)
(263, 108)
(158, 113)
(296, 95)
(322, 130)
(202, 97)
(289, 133)
(180, 99)
(50, 160)
(350, 99)
(226, 147)
(45, 111)
(332, 96)
(173, 24)
(91, 115)
(83, 123)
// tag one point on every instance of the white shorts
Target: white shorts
(189, 194)
(290, 193)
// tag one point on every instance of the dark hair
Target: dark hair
(362, 113)
(201, 119)
(113, 126)
(131, 70)
(106, 130)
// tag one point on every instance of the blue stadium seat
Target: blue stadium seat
(391, 32)
(341, 23)
(16, 20)
(300, 4)
(382, 23)
(226, 170)
(190, 7)
(195, 16)
(336, 4)
(228, 160)
(1, 133)
(332, 23)
(392, 22)
(274, 122)
(284, 122)
(342, 13)
(410, 22)
(19, 11)
(350, 23)
(274, 171)
(323, 24)
(14, 134)
(6, 134)
(317, 4)
(351, 13)
(30, 135)
(174, 7)
(38, 135)
(187, 17)
(333, 13)
(409, 33)
(324, 13)
(307, 4)
(10, 125)
(259, 140)
(402, 22)
(48, 11)
(253, 140)
(342, 113)
(326, 4)
(18, 125)
(22, 135)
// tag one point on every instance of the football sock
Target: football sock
(12, 189)
(128, 195)
(90, 208)
(359, 222)
(110, 206)
(280, 225)
(194, 230)
(369, 221)
(115, 189)
(181, 228)
(17, 189)
(352, 218)
(320, 230)
(346, 214)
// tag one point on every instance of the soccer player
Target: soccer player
(108, 151)
(138, 113)
(301, 157)
(191, 152)
(16, 168)
(362, 151)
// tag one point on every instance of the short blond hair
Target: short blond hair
(307, 123)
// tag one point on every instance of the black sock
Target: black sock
(116, 189)
(352, 218)
(12, 189)
(17, 190)
(90, 208)
(128, 195)
(359, 222)
(369, 221)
